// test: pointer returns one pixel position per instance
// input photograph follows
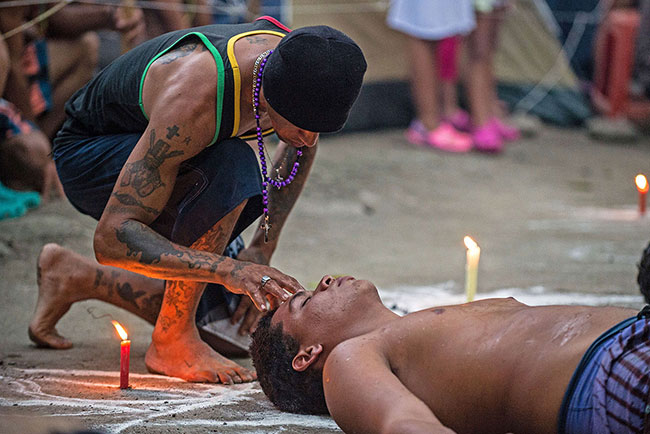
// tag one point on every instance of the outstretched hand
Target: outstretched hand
(275, 291)
(246, 278)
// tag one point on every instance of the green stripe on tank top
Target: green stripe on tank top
(220, 77)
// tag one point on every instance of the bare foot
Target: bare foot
(193, 360)
(54, 269)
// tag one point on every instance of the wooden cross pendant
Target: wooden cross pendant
(265, 227)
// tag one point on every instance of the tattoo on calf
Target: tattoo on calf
(128, 294)
(144, 175)
(98, 279)
(127, 199)
(151, 306)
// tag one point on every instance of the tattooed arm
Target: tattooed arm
(180, 102)
(281, 201)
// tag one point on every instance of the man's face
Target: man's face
(319, 316)
(289, 133)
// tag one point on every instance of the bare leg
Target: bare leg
(5, 65)
(65, 277)
(176, 348)
(480, 82)
(449, 98)
(424, 81)
(72, 64)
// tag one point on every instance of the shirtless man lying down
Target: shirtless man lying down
(491, 366)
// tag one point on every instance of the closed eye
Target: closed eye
(305, 302)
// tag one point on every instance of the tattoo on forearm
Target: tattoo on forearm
(182, 51)
(144, 175)
(149, 247)
(141, 241)
(127, 199)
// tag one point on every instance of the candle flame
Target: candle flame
(470, 243)
(641, 183)
(120, 330)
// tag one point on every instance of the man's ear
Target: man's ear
(306, 357)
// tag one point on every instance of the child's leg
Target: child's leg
(446, 57)
(424, 81)
(479, 74)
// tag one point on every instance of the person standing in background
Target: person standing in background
(426, 23)
(489, 132)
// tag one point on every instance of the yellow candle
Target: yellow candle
(471, 267)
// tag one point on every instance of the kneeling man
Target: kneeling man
(492, 366)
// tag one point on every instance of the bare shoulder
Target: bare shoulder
(181, 86)
(352, 358)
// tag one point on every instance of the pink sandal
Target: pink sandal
(507, 132)
(445, 137)
(461, 120)
(487, 138)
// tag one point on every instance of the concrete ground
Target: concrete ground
(555, 216)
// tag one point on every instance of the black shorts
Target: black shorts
(208, 187)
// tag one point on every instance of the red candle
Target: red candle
(125, 353)
(642, 186)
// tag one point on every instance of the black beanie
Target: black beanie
(313, 77)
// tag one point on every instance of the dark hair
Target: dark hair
(643, 278)
(289, 390)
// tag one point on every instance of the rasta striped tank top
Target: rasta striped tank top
(111, 103)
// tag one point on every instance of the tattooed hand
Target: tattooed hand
(246, 308)
(246, 278)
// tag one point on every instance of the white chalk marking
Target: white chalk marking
(411, 299)
(176, 397)
(265, 419)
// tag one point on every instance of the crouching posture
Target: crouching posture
(492, 366)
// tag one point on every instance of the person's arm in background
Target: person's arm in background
(76, 19)
(17, 87)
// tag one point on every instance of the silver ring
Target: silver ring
(265, 280)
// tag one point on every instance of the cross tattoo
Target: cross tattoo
(172, 132)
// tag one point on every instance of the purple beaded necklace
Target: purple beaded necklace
(278, 183)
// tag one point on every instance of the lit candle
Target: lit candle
(125, 352)
(642, 186)
(471, 267)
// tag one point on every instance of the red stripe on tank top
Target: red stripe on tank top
(276, 22)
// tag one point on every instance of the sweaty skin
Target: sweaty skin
(491, 366)
(179, 94)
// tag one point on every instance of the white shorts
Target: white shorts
(431, 19)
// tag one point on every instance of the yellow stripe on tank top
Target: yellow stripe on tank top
(237, 74)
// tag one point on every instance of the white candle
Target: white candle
(471, 267)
